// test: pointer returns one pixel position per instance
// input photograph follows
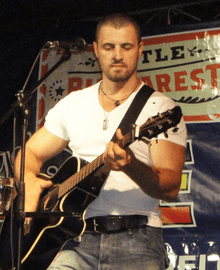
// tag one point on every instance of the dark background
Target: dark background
(25, 26)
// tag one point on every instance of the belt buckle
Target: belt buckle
(95, 226)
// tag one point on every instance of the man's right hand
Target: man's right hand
(33, 190)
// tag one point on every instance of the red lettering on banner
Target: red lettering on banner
(44, 69)
(41, 110)
(179, 81)
(213, 69)
(89, 82)
(43, 89)
(176, 215)
(45, 55)
(74, 84)
(198, 118)
(163, 81)
(199, 82)
(147, 80)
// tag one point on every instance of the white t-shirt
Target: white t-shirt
(79, 117)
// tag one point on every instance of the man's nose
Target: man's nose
(118, 54)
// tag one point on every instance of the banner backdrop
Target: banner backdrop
(186, 67)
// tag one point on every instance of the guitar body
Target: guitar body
(75, 201)
(76, 185)
(50, 229)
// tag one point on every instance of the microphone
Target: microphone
(77, 46)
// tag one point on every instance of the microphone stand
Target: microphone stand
(66, 56)
(20, 107)
(21, 186)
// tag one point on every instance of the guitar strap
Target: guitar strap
(134, 110)
(130, 118)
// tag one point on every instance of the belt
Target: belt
(106, 224)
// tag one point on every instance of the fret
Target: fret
(77, 177)
(151, 128)
(87, 169)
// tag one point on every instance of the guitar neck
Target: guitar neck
(75, 179)
(154, 126)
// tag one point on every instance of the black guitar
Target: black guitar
(77, 185)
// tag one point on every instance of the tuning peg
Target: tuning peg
(165, 134)
(150, 132)
(175, 129)
(135, 132)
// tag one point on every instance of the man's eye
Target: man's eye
(127, 47)
(107, 47)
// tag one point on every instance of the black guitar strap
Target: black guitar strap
(134, 110)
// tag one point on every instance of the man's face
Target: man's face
(118, 52)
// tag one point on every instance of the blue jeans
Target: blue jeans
(137, 249)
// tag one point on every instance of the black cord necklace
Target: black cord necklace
(118, 101)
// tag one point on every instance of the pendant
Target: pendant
(117, 103)
(105, 124)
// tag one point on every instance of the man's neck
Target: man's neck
(118, 89)
(121, 94)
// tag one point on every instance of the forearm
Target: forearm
(42, 146)
(32, 184)
(161, 183)
(32, 165)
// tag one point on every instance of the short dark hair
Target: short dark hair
(118, 20)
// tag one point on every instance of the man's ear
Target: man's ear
(141, 47)
(95, 47)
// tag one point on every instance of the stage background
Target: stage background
(183, 63)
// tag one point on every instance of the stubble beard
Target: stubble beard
(119, 77)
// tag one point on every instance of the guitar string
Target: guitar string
(55, 191)
(71, 180)
(85, 170)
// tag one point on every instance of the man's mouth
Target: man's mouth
(118, 65)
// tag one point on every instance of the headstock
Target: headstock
(161, 122)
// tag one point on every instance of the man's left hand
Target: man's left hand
(116, 157)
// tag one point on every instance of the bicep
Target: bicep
(167, 155)
(44, 145)
(168, 160)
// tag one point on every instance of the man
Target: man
(140, 175)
